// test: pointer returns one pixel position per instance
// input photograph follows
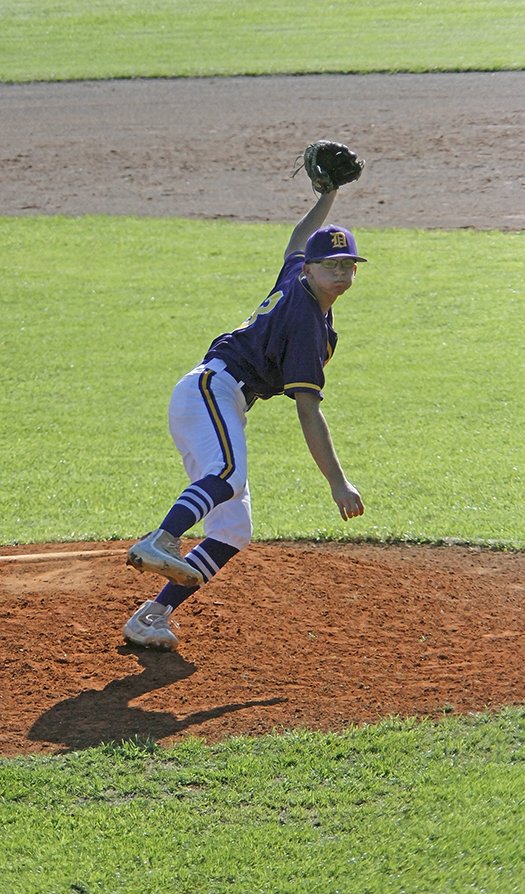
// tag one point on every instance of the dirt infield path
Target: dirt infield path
(442, 150)
(287, 635)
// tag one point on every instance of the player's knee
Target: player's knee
(243, 538)
(224, 488)
(234, 528)
(238, 484)
(235, 483)
(240, 532)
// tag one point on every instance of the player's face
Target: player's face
(330, 277)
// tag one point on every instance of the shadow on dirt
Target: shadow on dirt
(97, 716)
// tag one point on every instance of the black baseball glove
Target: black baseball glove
(329, 165)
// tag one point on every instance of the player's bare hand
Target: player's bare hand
(348, 500)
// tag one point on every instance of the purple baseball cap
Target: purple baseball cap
(331, 242)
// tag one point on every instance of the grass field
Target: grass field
(72, 39)
(398, 807)
(424, 393)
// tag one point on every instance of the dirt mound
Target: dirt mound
(287, 635)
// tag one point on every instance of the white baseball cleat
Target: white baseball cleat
(149, 627)
(160, 552)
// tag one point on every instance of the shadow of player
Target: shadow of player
(96, 716)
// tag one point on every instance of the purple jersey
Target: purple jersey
(283, 346)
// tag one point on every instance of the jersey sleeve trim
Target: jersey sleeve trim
(297, 385)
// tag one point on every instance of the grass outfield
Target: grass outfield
(398, 807)
(424, 394)
(45, 40)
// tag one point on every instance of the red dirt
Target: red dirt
(286, 636)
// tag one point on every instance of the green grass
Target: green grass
(403, 806)
(424, 394)
(72, 39)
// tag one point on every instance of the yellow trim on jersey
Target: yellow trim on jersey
(219, 427)
(302, 385)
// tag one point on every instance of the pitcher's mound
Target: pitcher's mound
(287, 635)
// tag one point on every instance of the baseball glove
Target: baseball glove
(329, 165)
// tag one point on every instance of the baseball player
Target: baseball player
(281, 348)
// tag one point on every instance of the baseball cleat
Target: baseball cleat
(149, 627)
(160, 552)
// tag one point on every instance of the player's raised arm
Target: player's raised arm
(311, 222)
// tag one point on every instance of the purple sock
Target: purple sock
(208, 557)
(199, 498)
